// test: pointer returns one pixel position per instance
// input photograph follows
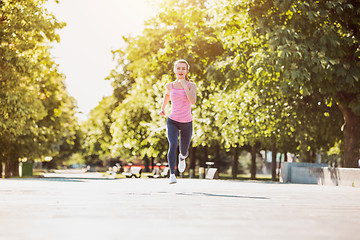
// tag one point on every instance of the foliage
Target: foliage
(38, 115)
(145, 66)
(268, 72)
(313, 46)
(253, 76)
(96, 129)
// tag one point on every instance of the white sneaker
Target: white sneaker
(172, 178)
(182, 163)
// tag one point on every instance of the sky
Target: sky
(94, 28)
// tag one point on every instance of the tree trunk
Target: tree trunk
(351, 138)
(7, 169)
(217, 157)
(278, 173)
(305, 155)
(11, 166)
(253, 163)
(273, 162)
(192, 162)
(235, 164)
(152, 163)
(313, 156)
(146, 164)
(205, 157)
(14, 168)
(1, 168)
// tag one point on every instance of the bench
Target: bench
(165, 172)
(157, 173)
(154, 174)
(112, 172)
(134, 172)
(211, 173)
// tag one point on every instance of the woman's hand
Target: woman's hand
(162, 113)
(191, 93)
(183, 82)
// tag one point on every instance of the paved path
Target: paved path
(36, 209)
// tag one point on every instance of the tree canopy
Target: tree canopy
(38, 115)
(266, 72)
(280, 75)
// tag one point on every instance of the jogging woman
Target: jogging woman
(182, 94)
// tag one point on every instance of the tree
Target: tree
(131, 129)
(145, 66)
(314, 46)
(38, 114)
(252, 90)
(97, 134)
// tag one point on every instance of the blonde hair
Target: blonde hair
(183, 61)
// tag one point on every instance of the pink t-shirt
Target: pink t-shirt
(180, 105)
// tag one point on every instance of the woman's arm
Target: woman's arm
(190, 91)
(166, 99)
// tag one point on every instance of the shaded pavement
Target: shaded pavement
(66, 208)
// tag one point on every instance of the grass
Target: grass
(259, 177)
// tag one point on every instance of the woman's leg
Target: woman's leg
(185, 138)
(172, 134)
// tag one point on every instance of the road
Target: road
(65, 208)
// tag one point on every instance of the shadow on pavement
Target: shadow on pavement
(220, 195)
(58, 179)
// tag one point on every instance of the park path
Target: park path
(65, 208)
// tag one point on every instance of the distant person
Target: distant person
(182, 93)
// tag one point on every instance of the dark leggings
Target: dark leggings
(173, 130)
